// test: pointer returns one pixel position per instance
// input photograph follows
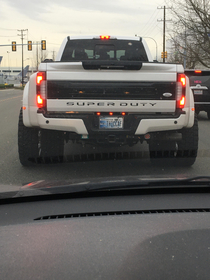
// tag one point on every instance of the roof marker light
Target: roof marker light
(198, 71)
(105, 37)
(110, 113)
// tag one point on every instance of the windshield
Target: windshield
(89, 90)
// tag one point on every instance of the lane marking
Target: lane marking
(10, 98)
(7, 89)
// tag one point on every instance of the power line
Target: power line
(151, 28)
(151, 18)
(149, 25)
(7, 29)
(8, 36)
(157, 30)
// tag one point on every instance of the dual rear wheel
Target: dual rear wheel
(39, 145)
(183, 152)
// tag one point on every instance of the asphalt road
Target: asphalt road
(86, 162)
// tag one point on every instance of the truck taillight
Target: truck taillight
(41, 89)
(180, 91)
(182, 102)
(40, 100)
(41, 76)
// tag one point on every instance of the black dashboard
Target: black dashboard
(149, 235)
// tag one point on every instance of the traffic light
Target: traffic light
(43, 44)
(164, 54)
(29, 45)
(14, 46)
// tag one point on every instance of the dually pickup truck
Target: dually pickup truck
(107, 90)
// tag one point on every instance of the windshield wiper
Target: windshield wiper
(155, 183)
(107, 184)
(43, 188)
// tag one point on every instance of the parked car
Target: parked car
(200, 85)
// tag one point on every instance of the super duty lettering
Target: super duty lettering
(103, 104)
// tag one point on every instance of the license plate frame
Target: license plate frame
(111, 122)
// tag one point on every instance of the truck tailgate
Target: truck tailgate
(71, 87)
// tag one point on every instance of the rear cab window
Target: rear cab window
(96, 49)
(200, 78)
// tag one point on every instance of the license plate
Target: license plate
(198, 91)
(110, 122)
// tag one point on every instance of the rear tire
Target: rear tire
(28, 141)
(208, 114)
(188, 146)
(39, 145)
(197, 111)
(183, 152)
(52, 145)
(161, 151)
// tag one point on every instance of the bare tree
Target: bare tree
(190, 35)
(39, 55)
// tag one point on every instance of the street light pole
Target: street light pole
(22, 37)
(8, 62)
(185, 49)
(155, 44)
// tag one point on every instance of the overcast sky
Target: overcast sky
(54, 20)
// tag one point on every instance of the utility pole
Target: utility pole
(22, 37)
(164, 31)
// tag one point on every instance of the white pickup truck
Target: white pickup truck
(107, 90)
